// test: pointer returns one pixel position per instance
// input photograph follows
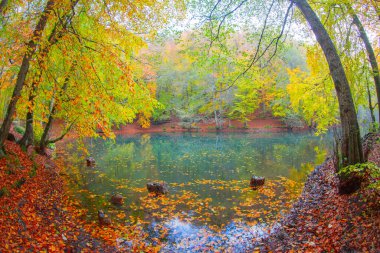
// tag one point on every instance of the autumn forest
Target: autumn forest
(189, 126)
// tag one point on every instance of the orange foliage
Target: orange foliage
(39, 216)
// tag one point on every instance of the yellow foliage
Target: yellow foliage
(312, 93)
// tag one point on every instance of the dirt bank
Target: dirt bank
(269, 124)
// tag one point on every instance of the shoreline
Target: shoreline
(265, 125)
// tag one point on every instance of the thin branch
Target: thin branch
(282, 31)
(258, 56)
(222, 21)
(66, 131)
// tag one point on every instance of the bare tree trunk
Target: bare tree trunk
(28, 137)
(54, 37)
(370, 53)
(31, 48)
(45, 135)
(371, 107)
(3, 4)
(351, 142)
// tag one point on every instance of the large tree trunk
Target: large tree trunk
(371, 108)
(31, 48)
(3, 4)
(351, 147)
(45, 135)
(28, 137)
(370, 53)
(54, 37)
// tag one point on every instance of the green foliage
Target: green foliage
(37, 132)
(51, 146)
(312, 93)
(188, 125)
(19, 129)
(293, 120)
(32, 172)
(19, 183)
(4, 191)
(160, 116)
(246, 101)
(10, 171)
(367, 170)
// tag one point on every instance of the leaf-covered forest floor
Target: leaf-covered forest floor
(37, 214)
(324, 221)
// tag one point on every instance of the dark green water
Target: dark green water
(208, 175)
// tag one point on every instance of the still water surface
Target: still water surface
(208, 175)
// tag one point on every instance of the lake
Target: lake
(209, 200)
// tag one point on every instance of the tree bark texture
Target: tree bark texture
(54, 37)
(370, 53)
(351, 147)
(31, 48)
(3, 4)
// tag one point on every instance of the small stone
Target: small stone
(90, 161)
(103, 219)
(158, 188)
(257, 181)
(117, 199)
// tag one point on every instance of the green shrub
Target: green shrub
(10, 171)
(4, 191)
(368, 171)
(293, 121)
(19, 129)
(32, 173)
(19, 183)
(160, 116)
(51, 146)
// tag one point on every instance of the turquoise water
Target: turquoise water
(208, 175)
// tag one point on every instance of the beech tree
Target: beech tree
(3, 4)
(24, 68)
(351, 147)
(99, 40)
(370, 52)
(58, 31)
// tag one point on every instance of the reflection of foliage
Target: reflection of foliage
(300, 175)
(208, 177)
(126, 163)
